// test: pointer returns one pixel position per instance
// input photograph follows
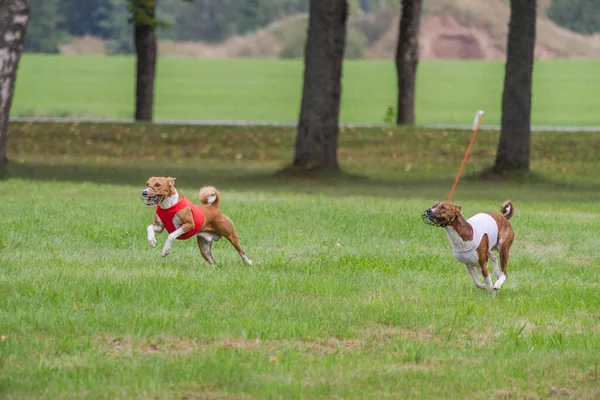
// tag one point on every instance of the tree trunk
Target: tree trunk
(145, 48)
(14, 15)
(317, 140)
(407, 59)
(515, 135)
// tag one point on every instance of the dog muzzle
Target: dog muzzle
(431, 219)
(151, 200)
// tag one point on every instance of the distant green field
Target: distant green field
(449, 92)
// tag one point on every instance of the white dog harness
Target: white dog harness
(481, 223)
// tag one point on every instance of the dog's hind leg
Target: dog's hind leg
(235, 241)
(224, 227)
(494, 261)
(504, 250)
(205, 240)
(500, 276)
(505, 240)
(504, 243)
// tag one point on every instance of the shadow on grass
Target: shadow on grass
(478, 186)
(234, 177)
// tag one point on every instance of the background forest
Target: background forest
(55, 23)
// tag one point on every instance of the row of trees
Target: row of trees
(317, 139)
(54, 21)
(581, 16)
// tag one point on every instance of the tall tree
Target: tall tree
(407, 60)
(143, 16)
(317, 139)
(515, 134)
(14, 15)
(144, 37)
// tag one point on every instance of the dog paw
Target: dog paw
(152, 242)
(246, 259)
(165, 251)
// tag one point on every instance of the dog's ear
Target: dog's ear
(457, 208)
(171, 181)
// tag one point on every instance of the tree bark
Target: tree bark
(14, 15)
(317, 139)
(515, 135)
(145, 48)
(407, 60)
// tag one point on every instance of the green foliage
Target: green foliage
(376, 24)
(118, 15)
(355, 43)
(208, 20)
(390, 116)
(581, 16)
(254, 14)
(86, 17)
(293, 38)
(293, 48)
(211, 20)
(360, 32)
(44, 32)
(115, 19)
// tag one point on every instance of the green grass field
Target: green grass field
(448, 92)
(351, 295)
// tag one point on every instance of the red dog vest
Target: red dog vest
(166, 217)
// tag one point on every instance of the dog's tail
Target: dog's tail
(507, 209)
(210, 196)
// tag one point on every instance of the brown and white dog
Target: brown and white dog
(472, 240)
(183, 219)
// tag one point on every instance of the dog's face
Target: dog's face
(441, 214)
(157, 189)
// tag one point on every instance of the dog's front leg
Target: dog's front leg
(187, 224)
(151, 235)
(170, 239)
(157, 227)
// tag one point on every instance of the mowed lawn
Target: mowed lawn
(349, 297)
(448, 92)
(350, 294)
